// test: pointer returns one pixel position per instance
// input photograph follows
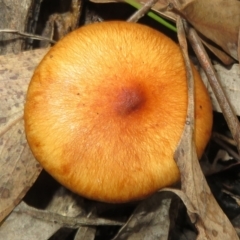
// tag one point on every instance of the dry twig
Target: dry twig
(142, 11)
(27, 35)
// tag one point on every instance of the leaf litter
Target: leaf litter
(11, 124)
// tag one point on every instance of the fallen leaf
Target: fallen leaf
(26, 226)
(88, 233)
(150, 219)
(218, 20)
(230, 82)
(18, 169)
(205, 213)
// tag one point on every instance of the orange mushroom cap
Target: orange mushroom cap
(106, 108)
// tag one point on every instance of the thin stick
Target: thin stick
(27, 35)
(142, 11)
(227, 148)
(223, 138)
(71, 222)
(152, 15)
(224, 104)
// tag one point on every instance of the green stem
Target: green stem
(152, 15)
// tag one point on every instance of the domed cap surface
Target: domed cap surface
(106, 108)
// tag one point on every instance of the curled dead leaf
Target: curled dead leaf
(217, 20)
(18, 167)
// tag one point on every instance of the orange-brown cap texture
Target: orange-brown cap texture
(106, 108)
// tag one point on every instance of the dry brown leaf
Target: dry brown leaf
(87, 233)
(207, 216)
(218, 20)
(150, 219)
(230, 82)
(228, 113)
(27, 227)
(66, 210)
(18, 169)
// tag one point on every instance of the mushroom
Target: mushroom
(106, 108)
